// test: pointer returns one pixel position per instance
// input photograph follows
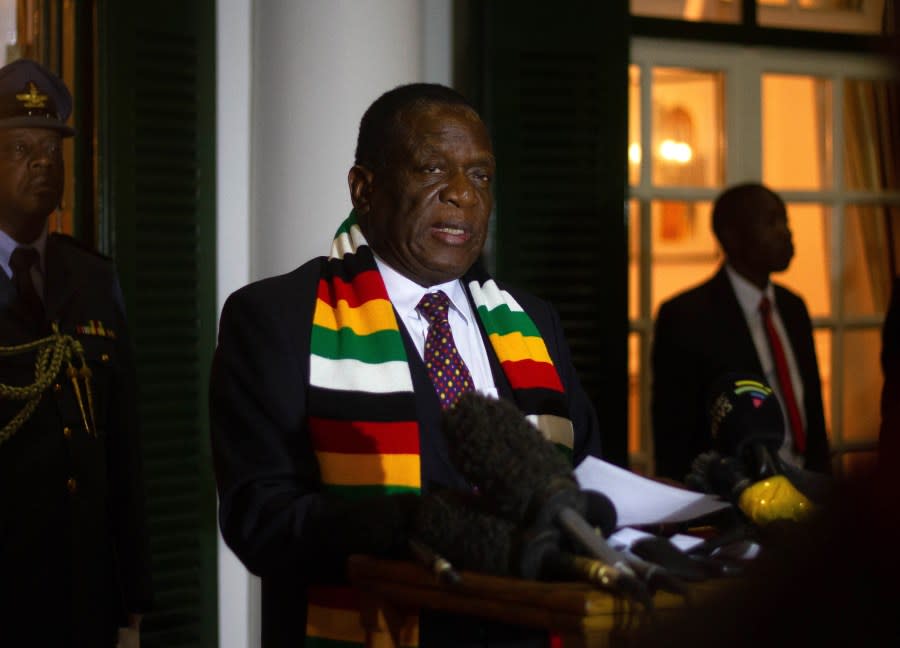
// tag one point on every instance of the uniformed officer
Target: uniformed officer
(74, 561)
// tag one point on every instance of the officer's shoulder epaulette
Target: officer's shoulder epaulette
(71, 241)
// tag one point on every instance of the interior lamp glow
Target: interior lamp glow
(673, 151)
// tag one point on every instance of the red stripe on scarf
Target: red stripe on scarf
(529, 374)
(363, 287)
(364, 437)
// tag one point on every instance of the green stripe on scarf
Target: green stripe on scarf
(374, 348)
(502, 321)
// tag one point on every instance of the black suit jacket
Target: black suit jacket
(702, 334)
(73, 547)
(271, 509)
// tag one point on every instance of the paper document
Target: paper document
(639, 500)
(624, 538)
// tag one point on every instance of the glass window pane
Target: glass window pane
(634, 259)
(688, 115)
(823, 339)
(870, 152)
(634, 392)
(810, 269)
(796, 131)
(21, 22)
(694, 10)
(7, 31)
(634, 125)
(859, 16)
(861, 371)
(866, 277)
(844, 5)
(685, 252)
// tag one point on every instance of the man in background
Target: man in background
(74, 562)
(738, 321)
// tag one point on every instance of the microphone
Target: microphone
(529, 482)
(745, 422)
(600, 512)
(444, 571)
(457, 527)
(747, 430)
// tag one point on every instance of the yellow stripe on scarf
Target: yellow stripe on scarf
(373, 316)
(513, 347)
(344, 469)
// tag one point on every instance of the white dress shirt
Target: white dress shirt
(405, 295)
(749, 296)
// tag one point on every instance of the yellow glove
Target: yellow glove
(772, 499)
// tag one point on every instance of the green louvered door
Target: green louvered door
(157, 162)
(555, 94)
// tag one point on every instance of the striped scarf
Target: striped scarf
(362, 408)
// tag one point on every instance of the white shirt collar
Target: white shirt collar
(8, 244)
(748, 294)
(405, 293)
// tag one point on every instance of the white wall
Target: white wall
(233, 250)
(294, 77)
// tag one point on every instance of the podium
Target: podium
(582, 616)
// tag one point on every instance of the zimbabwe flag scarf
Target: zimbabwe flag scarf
(362, 406)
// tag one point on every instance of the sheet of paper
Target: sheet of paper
(625, 537)
(641, 501)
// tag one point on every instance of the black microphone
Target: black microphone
(600, 512)
(458, 528)
(745, 422)
(528, 481)
(747, 430)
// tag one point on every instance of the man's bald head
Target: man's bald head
(750, 221)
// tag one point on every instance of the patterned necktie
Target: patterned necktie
(448, 372)
(784, 376)
(21, 261)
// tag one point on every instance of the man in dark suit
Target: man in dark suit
(73, 549)
(718, 327)
(304, 409)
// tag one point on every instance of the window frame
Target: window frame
(743, 68)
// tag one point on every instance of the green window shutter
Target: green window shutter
(555, 97)
(157, 163)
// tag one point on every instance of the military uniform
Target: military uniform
(73, 550)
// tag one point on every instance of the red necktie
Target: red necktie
(448, 372)
(784, 376)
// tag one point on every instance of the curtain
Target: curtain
(870, 164)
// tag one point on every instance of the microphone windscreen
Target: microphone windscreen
(502, 454)
(600, 512)
(453, 525)
(744, 410)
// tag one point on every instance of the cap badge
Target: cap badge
(33, 98)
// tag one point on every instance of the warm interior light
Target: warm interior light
(674, 151)
(634, 153)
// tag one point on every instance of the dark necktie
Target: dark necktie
(21, 262)
(448, 372)
(784, 376)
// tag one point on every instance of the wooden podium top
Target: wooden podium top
(580, 613)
